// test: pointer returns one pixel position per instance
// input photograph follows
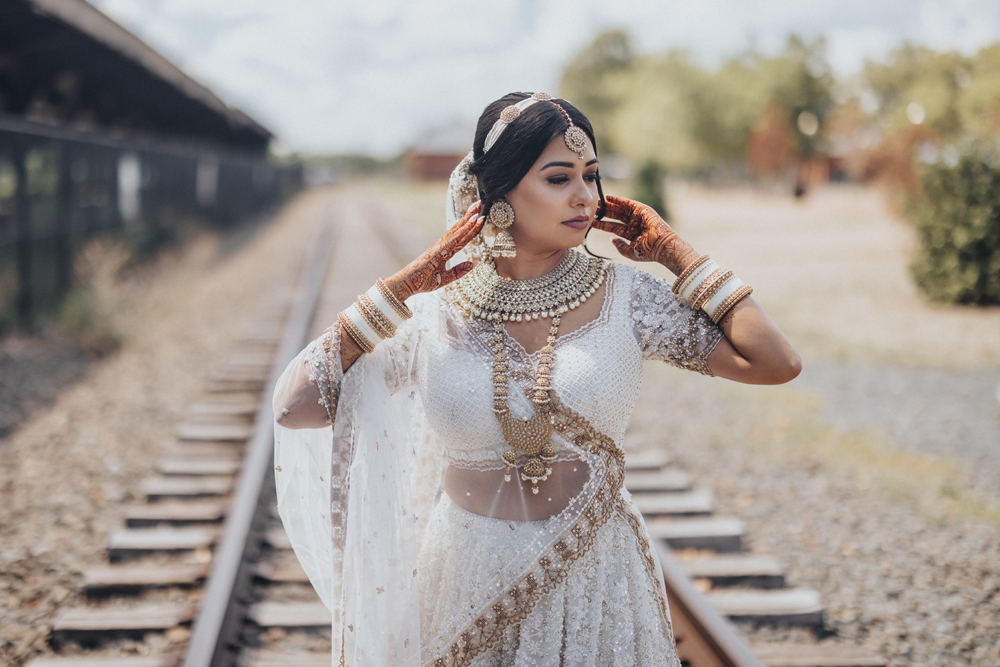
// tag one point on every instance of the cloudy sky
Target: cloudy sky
(372, 75)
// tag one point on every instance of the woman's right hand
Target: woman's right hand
(427, 272)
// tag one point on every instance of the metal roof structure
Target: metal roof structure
(63, 62)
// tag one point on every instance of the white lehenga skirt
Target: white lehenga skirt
(605, 612)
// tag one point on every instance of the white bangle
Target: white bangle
(725, 290)
(390, 313)
(690, 288)
(358, 320)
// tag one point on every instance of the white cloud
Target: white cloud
(847, 49)
(371, 75)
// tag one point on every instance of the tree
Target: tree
(594, 78)
(656, 120)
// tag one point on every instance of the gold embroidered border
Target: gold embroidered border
(646, 551)
(552, 567)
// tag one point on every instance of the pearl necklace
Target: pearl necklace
(485, 295)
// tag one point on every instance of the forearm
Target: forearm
(754, 350)
(349, 350)
(674, 252)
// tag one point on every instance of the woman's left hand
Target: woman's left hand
(648, 237)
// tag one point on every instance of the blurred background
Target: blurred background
(157, 157)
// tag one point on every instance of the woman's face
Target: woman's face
(556, 201)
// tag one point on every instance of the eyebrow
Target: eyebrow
(566, 164)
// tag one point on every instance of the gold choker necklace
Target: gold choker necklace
(484, 294)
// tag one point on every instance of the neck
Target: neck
(527, 266)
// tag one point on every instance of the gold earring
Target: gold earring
(502, 217)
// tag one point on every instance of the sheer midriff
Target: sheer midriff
(486, 492)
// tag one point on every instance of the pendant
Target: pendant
(531, 437)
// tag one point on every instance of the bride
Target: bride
(448, 453)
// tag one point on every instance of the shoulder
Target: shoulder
(636, 280)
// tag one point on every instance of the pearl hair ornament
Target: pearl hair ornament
(575, 138)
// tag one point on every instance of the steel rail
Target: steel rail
(215, 632)
(704, 637)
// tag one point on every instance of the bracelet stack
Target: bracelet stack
(705, 285)
(374, 316)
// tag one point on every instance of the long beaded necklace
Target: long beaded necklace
(486, 295)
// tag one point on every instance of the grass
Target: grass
(787, 425)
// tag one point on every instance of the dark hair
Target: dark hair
(510, 158)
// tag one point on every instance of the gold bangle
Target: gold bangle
(713, 289)
(375, 318)
(687, 273)
(730, 301)
(699, 298)
(396, 304)
(347, 325)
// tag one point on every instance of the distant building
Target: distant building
(438, 150)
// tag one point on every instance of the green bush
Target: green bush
(649, 188)
(87, 313)
(958, 223)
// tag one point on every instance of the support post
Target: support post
(22, 222)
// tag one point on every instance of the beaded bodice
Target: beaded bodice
(446, 357)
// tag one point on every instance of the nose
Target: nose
(582, 195)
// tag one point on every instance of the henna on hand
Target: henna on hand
(427, 272)
(648, 237)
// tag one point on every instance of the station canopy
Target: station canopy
(63, 62)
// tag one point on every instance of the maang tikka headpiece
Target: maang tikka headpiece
(575, 138)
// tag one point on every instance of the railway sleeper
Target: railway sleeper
(290, 615)
(748, 570)
(265, 658)
(106, 580)
(198, 466)
(785, 607)
(134, 542)
(665, 480)
(214, 432)
(168, 660)
(236, 404)
(239, 371)
(646, 460)
(286, 571)
(816, 655)
(684, 503)
(186, 486)
(90, 627)
(228, 385)
(176, 513)
(194, 449)
(278, 539)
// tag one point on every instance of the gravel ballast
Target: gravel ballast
(892, 519)
(66, 470)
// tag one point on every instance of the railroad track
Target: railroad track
(204, 562)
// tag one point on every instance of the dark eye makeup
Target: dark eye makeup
(559, 179)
